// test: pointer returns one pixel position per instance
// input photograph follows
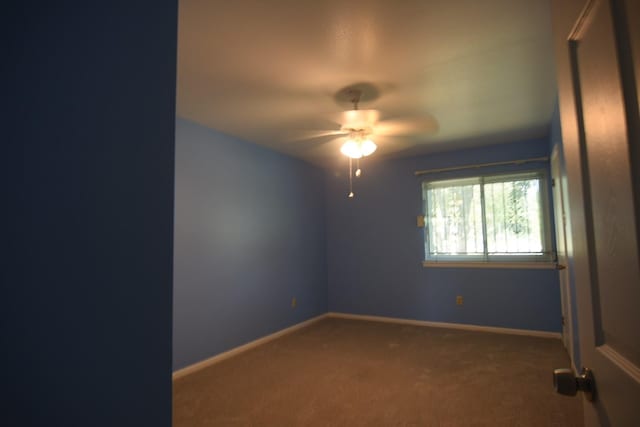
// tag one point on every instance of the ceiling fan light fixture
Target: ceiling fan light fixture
(358, 145)
(358, 149)
(352, 149)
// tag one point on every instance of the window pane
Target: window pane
(454, 215)
(514, 217)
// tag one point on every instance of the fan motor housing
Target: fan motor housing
(359, 120)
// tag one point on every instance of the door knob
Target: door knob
(566, 383)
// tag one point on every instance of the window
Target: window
(501, 218)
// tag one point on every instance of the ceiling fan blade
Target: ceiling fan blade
(328, 149)
(417, 125)
(390, 144)
(304, 135)
(322, 144)
(333, 142)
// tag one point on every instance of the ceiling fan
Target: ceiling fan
(360, 129)
(359, 125)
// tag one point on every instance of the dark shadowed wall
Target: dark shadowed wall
(88, 164)
(249, 237)
(375, 250)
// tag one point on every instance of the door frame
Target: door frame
(564, 273)
(564, 14)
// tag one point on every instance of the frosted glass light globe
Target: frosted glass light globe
(367, 147)
(351, 149)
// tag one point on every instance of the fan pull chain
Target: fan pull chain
(358, 170)
(350, 178)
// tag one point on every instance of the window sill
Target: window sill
(471, 264)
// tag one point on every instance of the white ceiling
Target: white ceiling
(268, 70)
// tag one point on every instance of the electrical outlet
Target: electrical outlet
(459, 300)
(294, 302)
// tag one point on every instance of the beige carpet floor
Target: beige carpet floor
(341, 372)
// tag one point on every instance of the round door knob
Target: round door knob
(564, 382)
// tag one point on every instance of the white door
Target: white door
(601, 81)
(561, 245)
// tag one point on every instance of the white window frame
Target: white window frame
(545, 259)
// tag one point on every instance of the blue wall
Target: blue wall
(375, 251)
(88, 161)
(249, 236)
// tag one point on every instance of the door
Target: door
(561, 245)
(601, 82)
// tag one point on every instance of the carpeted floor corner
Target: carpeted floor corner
(340, 372)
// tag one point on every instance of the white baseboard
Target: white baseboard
(493, 329)
(237, 350)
